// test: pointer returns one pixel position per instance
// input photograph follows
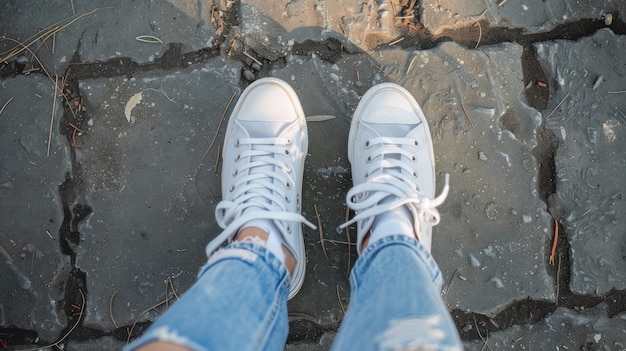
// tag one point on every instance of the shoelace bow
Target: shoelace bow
(391, 177)
(259, 183)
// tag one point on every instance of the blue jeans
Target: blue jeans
(240, 303)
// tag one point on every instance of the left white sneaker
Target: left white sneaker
(264, 150)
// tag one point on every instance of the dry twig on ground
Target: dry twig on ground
(557, 106)
(339, 298)
(319, 226)
(469, 119)
(199, 167)
(5, 104)
(79, 315)
(554, 241)
(111, 309)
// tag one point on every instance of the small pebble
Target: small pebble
(248, 75)
(608, 19)
(482, 156)
(598, 82)
(255, 66)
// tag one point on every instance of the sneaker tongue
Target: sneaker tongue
(264, 129)
(395, 131)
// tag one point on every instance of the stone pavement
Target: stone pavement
(105, 214)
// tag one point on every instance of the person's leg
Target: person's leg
(396, 301)
(238, 303)
(240, 299)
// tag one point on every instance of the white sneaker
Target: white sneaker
(264, 149)
(393, 164)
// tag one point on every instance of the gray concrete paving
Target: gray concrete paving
(524, 100)
(588, 201)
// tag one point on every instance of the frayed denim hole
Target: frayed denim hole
(243, 254)
(165, 334)
(422, 333)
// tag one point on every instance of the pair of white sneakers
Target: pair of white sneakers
(266, 142)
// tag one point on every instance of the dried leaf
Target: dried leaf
(598, 82)
(132, 102)
(220, 24)
(319, 118)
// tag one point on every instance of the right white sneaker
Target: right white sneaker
(393, 164)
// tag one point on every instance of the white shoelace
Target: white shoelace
(391, 177)
(260, 188)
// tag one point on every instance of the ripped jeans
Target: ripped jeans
(240, 303)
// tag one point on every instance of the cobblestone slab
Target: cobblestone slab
(105, 343)
(149, 221)
(590, 160)
(530, 16)
(364, 24)
(564, 329)
(32, 268)
(494, 229)
(111, 31)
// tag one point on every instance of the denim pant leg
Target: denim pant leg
(396, 301)
(238, 303)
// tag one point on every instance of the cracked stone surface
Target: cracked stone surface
(139, 208)
(145, 206)
(112, 30)
(590, 125)
(33, 270)
(365, 24)
(493, 231)
(587, 329)
(532, 16)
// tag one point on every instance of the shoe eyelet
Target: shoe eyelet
(235, 172)
(287, 199)
(369, 159)
(237, 143)
(287, 152)
(367, 175)
(237, 158)
(289, 141)
(367, 144)
(232, 187)
(289, 229)
(288, 185)
(417, 188)
(416, 143)
(413, 158)
(414, 174)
